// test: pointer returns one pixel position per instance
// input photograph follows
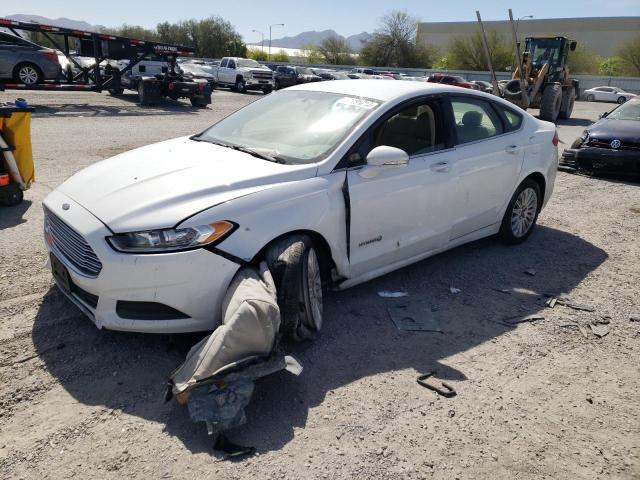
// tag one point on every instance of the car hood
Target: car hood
(160, 185)
(627, 131)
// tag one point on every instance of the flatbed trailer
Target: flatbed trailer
(103, 46)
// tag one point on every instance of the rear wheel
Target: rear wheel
(621, 100)
(11, 195)
(522, 213)
(591, 97)
(293, 262)
(550, 103)
(28, 74)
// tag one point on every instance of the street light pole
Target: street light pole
(273, 25)
(261, 41)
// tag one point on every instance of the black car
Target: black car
(285, 76)
(611, 145)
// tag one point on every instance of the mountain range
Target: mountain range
(57, 22)
(314, 37)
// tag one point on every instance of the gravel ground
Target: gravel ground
(543, 399)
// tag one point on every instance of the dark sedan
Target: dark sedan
(286, 76)
(611, 145)
(197, 71)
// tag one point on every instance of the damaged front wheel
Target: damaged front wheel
(293, 262)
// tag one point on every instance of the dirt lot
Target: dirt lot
(538, 400)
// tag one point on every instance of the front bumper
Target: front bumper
(192, 282)
(258, 83)
(602, 160)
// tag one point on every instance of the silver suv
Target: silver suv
(25, 62)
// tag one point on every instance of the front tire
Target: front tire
(522, 213)
(241, 86)
(267, 90)
(590, 98)
(568, 101)
(551, 103)
(293, 262)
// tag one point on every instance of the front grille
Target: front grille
(71, 245)
(262, 75)
(607, 144)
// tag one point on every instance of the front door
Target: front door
(403, 211)
(489, 156)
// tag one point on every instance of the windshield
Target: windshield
(292, 126)
(192, 68)
(544, 51)
(247, 62)
(626, 111)
(303, 71)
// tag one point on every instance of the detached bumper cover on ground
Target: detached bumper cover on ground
(603, 160)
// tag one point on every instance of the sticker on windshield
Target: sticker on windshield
(356, 102)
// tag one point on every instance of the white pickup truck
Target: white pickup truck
(242, 74)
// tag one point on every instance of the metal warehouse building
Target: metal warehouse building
(601, 35)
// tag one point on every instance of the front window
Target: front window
(248, 63)
(545, 50)
(294, 127)
(626, 111)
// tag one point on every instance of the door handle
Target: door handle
(512, 149)
(441, 167)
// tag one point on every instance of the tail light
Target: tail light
(555, 139)
(4, 179)
(172, 86)
(49, 55)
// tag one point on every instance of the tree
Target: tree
(311, 53)
(394, 44)
(211, 37)
(467, 53)
(280, 56)
(135, 31)
(630, 55)
(583, 61)
(258, 54)
(613, 67)
(335, 51)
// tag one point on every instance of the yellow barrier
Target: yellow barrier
(16, 131)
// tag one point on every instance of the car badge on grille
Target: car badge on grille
(615, 144)
(65, 206)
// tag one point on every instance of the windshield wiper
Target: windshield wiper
(239, 148)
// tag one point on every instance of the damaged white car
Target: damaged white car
(330, 183)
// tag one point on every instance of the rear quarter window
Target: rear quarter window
(512, 119)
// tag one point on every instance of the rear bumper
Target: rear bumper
(601, 160)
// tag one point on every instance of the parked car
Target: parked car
(610, 145)
(362, 71)
(196, 71)
(334, 182)
(483, 86)
(242, 74)
(25, 62)
(288, 75)
(607, 94)
(455, 80)
(326, 74)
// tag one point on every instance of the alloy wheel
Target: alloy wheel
(28, 75)
(524, 212)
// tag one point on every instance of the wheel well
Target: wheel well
(539, 179)
(239, 77)
(322, 247)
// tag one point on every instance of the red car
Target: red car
(454, 80)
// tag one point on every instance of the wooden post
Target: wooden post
(494, 80)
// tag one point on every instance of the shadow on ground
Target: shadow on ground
(129, 371)
(12, 216)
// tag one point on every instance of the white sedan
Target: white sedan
(332, 183)
(607, 94)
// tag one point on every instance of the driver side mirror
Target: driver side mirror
(573, 45)
(603, 115)
(384, 157)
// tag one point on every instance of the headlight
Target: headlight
(584, 136)
(170, 239)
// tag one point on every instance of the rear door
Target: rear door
(489, 156)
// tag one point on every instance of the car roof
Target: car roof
(376, 89)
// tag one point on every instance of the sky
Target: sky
(347, 17)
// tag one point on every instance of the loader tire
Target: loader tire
(294, 265)
(551, 103)
(568, 100)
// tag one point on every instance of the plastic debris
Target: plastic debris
(551, 302)
(415, 316)
(599, 330)
(634, 318)
(454, 290)
(390, 294)
(530, 272)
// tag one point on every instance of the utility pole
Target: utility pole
(261, 41)
(273, 25)
(494, 80)
(523, 82)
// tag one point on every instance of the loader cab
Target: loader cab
(551, 50)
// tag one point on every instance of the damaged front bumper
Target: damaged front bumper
(602, 160)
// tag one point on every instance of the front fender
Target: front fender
(315, 204)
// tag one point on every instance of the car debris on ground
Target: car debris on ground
(390, 294)
(414, 316)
